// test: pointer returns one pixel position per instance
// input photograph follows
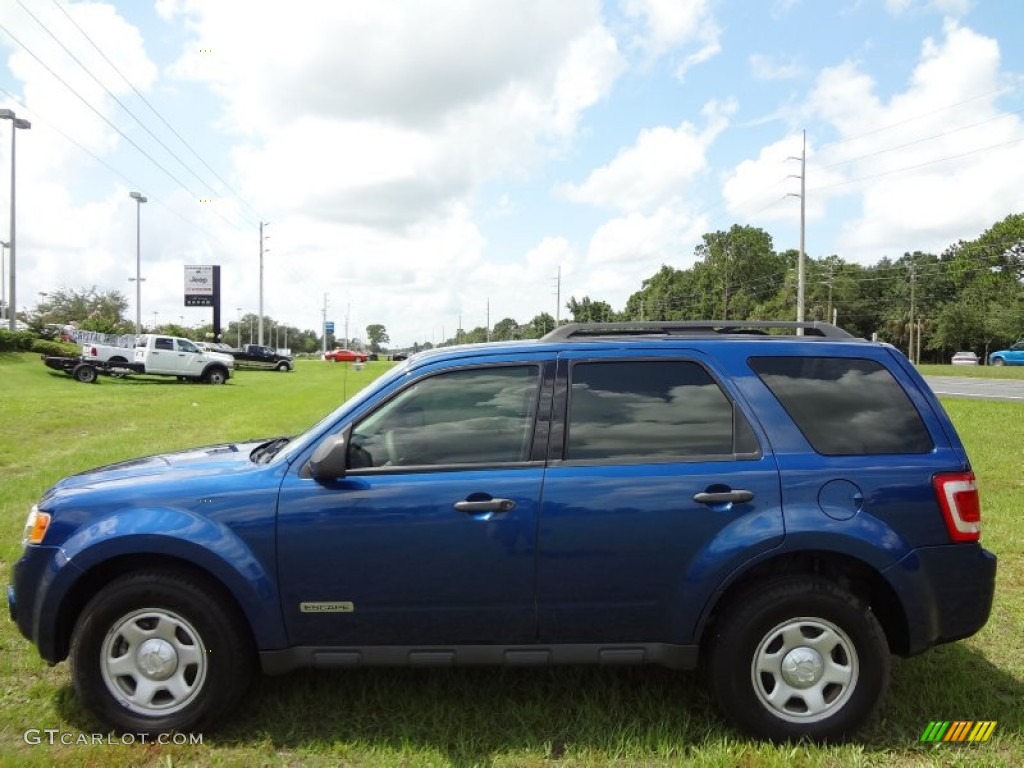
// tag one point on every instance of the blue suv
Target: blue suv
(779, 504)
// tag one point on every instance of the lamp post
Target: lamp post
(3, 279)
(139, 200)
(239, 310)
(16, 123)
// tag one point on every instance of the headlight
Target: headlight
(35, 527)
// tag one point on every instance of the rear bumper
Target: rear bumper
(947, 593)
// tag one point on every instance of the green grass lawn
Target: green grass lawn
(974, 371)
(53, 426)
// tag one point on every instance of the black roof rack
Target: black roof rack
(584, 331)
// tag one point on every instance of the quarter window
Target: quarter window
(845, 406)
(654, 410)
(473, 416)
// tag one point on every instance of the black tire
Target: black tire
(85, 373)
(215, 376)
(836, 669)
(198, 667)
(283, 366)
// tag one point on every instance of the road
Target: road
(979, 389)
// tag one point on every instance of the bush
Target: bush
(18, 341)
(54, 348)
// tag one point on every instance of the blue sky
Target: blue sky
(421, 161)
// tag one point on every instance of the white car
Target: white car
(965, 358)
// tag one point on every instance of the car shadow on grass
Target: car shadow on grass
(472, 716)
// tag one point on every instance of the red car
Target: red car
(345, 356)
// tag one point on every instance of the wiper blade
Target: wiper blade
(265, 452)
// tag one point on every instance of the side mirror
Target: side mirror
(330, 458)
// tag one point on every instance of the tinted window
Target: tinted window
(161, 343)
(650, 410)
(845, 406)
(477, 416)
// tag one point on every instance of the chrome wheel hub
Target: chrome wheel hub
(153, 662)
(804, 670)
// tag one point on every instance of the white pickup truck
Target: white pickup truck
(153, 354)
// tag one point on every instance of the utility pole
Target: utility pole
(558, 297)
(800, 269)
(262, 251)
(348, 312)
(323, 327)
(829, 282)
(725, 303)
(488, 320)
(913, 280)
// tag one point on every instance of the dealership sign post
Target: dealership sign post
(202, 289)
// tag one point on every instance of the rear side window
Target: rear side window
(654, 410)
(845, 406)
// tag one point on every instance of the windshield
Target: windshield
(301, 441)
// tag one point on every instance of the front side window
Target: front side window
(651, 410)
(186, 346)
(845, 406)
(472, 416)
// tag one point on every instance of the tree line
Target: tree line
(969, 297)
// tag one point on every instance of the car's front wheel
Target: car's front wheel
(998, 361)
(799, 657)
(215, 376)
(156, 651)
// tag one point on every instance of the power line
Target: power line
(115, 98)
(919, 165)
(156, 112)
(98, 113)
(922, 140)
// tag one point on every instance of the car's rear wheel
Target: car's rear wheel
(156, 651)
(85, 373)
(797, 658)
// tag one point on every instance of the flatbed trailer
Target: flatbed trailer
(87, 371)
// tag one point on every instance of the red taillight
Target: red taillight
(958, 496)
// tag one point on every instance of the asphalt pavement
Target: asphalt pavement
(980, 389)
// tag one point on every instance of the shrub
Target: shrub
(18, 341)
(54, 348)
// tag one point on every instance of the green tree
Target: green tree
(90, 309)
(540, 325)
(377, 336)
(505, 329)
(586, 310)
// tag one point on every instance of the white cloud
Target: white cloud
(958, 8)
(772, 68)
(685, 30)
(419, 105)
(655, 168)
(918, 156)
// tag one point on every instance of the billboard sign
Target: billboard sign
(199, 285)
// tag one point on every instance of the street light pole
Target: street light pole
(16, 123)
(262, 251)
(139, 200)
(239, 309)
(3, 279)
